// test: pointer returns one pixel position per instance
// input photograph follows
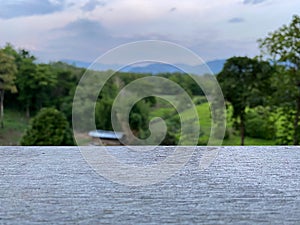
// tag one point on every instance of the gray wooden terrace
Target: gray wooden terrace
(243, 185)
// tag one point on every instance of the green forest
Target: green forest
(262, 96)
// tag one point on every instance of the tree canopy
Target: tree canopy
(244, 82)
(283, 48)
(8, 71)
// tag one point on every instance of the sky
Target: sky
(83, 30)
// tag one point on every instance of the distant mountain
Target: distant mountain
(155, 68)
(80, 64)
(98, 66)
(216, 66)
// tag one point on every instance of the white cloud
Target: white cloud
(200, 25)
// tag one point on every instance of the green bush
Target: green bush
(198, 100)
(260, 124)
(285, 127)
(203, 140)
(48, 128)
(173, 132)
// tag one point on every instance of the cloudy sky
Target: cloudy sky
(85, 29)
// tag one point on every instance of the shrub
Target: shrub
(48, 127)
(199, 100)
(259, 124)
(285, 130)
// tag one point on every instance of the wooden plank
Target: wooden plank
(244, 185)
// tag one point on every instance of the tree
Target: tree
(62, 94)
(25, 79)
(48, 127)
(44, 80)
(34, 81)
(244, 82)
(283, 46)
(139, 118)
(103, 114)
(8, 72)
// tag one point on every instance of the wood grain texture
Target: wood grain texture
(244, 185)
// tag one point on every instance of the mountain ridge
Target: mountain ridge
(214, 66)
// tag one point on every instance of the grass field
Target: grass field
(205, 124)
(15, 124)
